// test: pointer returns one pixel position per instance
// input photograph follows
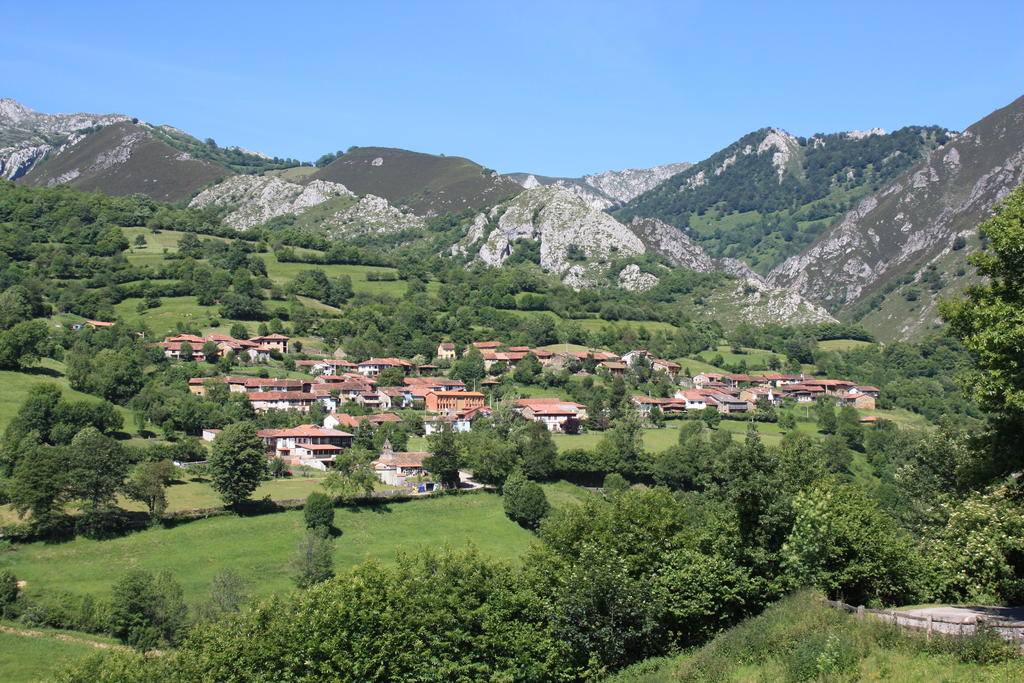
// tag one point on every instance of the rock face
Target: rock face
(634, 280)
(26, 136)
(912, 221)
(260, 198)
(673, 244)
(606, 190)
(257, 199)
(572, 235)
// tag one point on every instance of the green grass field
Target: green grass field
(259, 547)
(153, 255)
(37, 654)
(654, 439)
(842, 344)
(751, 356)
(14, 388)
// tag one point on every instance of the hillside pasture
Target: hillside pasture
(259, 547)
(843, 344)
(15, 387)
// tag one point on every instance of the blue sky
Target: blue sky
(558, 88)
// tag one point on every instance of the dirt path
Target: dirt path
(29, 633)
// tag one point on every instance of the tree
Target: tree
(614, 484)
(524, 500)
(24, 344)
(470, 368)
(239, 331)
(8, 587)
(313, 560)
(210, 351)
(148, 484)
(97, 466)
(826, 416)
(185, 351)
(990, 324)
(843, 544)
(318, 511)
(40, 486)
(147, 609)
(391, 377)
(527, 369)
(352, 476)
(443, 463)
(237, 462)
(226, 596)
(539, 451)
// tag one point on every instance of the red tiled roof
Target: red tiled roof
(280, 396)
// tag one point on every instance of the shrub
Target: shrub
(319, 511)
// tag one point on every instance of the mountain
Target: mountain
(318, 206)
(27, 136)
(426, 184)
(115, 154)
(585, 247)
(769, 194)
(123, 159)
(889, 259)
(606, 190)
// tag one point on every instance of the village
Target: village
(335, 385)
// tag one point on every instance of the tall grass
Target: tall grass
(801, 639)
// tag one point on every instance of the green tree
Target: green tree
(24, 344)
(469, 368)
(990, 324)
(843, 544)
(210, 351)
(524, 500)
(443, 463)
(352, 475)
(318, 511)
(97, 466)
(313, 560)
(148, 484)
(239, 331)
(226, 597)
(237, 463)
(8, 587)
(146, 610)
(614, 484)
(539, 451)
(826, 415)
(527, 369)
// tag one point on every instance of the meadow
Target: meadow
(15, 386)
(259, 547)
(37, 654)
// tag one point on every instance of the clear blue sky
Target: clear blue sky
(559, 88)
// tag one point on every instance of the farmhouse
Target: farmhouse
(446, 351)
(375, 366)
(309, 444)
(553, 413)
(453, 401)
(397, 468)
(262, 401)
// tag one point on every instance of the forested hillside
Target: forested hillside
(769, 194)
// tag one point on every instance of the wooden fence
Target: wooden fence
(1010, 630)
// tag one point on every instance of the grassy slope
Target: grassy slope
(801, 639)
(14, 388)
(259, 547)
(154, 167)
(428, 183)
(37, 654)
